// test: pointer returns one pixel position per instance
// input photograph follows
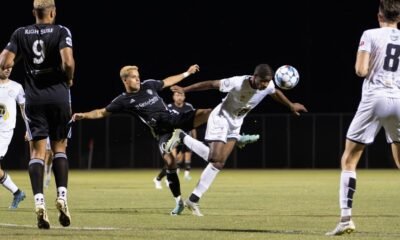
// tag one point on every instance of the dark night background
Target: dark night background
(163, 38)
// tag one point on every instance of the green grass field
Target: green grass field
(241, 204)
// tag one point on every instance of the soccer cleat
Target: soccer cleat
(194, 207)
(46, 182)
(246, 139)
(166, 182)
(173, 141)
(187, 176)
(64, 217)
(342, 227)
(42, 218)
(178, 208)
(157, 183)
(17, 199)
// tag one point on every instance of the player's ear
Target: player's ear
(34, 12)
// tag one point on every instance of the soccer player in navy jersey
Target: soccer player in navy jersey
(46, 51)
(141, 100)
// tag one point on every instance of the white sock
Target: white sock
(178, 199)
(62, 193)
(196, 146)
(9, 184)
(187, 173)
(346, 191)
(206, 179)
(39, 199)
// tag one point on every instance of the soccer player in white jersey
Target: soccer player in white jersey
(225, 121)
(10, 93)
(378, 61)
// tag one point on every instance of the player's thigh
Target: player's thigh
(390, 118)
(217, 128)
(5, 139)
(59, 116)
(365, 124)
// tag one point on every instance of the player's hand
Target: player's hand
(297, 108)
(193, 69)
(78, 116)
(26, 137)
(176, 88)
(70, 83)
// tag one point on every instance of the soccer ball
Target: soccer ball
(287, 77)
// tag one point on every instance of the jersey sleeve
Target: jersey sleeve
(227, 84)
(65, 38)
(12, 45)
(116, 105)
(21, 95)
(154, 84)
(365, 42)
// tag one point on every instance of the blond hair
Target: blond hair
(42, 4)
(125, 71)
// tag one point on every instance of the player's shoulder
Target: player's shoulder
(64, 28)
(15, 84)
(188, 104)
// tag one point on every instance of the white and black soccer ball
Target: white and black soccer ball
(286, 77)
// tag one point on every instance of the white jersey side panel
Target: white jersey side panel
(10, 94)
(383, 78)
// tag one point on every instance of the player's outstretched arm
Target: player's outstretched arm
(296, 108)
(94, 114)
(172, 80)
(200, 86)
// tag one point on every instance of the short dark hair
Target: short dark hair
(390, 10)
(263, 71)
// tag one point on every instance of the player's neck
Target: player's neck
(387, 24)
(46, 20)
(4, 81)
(179, 104)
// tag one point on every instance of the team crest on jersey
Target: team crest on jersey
(68, 40)
(227, 83)
(149, 91)
(3, 112)
(132, 100)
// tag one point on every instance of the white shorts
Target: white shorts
(5, 139)
(219, 128)
(372, 114)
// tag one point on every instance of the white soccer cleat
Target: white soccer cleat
(64, 217)
(342, 228)
(157, 183)
(42, 218)
(187, 176)
(194, 207)
(173, 141)
(246, 139)
(166, 182)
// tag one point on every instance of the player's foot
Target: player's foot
(173, 141)
(187, 176)
(246, 139)
(17, 199)
(46, 182)
(42, 218)
(178, 208)
(194, 207)
(64, 217)
(166, 183)
(157, 183)
(342, 227)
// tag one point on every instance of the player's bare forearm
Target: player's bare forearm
(94, 114)
(296, 108)
(201, 86)
(172, 80)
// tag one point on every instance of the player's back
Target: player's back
(39, 46)
(383, 44)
